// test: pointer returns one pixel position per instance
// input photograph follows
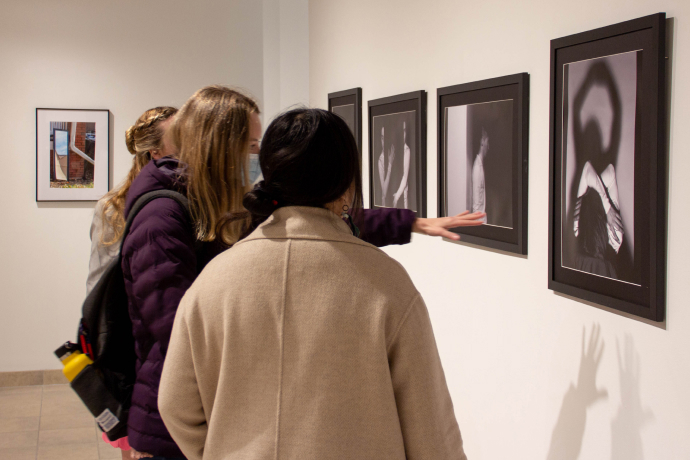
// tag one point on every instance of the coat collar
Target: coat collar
(307, 223)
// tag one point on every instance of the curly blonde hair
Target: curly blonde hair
(142, 137)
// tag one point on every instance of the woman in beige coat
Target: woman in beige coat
(303, 341)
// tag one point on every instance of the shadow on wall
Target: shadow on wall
(566, 440)
(626, 427)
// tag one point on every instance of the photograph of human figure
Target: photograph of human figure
(598, 199)
(72, 154)
(395, 175)
(479, 159)
(347, 113)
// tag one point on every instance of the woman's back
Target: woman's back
(306, 342)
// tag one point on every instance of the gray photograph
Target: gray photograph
(479, 152)
(598, 202)
(395, 179)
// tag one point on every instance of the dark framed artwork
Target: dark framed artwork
(72, 154)
(348, 105)
(483, 133)
(608, 176)
(397, 152)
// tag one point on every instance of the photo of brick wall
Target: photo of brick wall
(72, 154)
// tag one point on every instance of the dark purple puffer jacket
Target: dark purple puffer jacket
(159, 263)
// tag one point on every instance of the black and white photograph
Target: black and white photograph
(483, 140)
(608, 174)
(347, 105)
(395, 182)
(480, 165)
(72, 154)
(397, 157)
(599, 157)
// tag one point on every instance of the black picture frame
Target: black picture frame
(637, 287)
(511, 236)
(416, 102)
(345, 98)
(100, 156)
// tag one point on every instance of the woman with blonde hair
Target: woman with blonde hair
(144, 141)
(165, 249)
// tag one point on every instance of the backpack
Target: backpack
(105, 335)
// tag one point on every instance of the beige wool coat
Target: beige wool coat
(304, 342)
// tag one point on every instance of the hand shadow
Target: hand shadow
(626, 427)
(566, 439)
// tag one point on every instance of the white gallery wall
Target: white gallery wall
(125, 56)
(512, 349)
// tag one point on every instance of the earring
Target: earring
(347, 217)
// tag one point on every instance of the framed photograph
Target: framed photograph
(397, 152)
(483, 133)
(72, 154)
(608, 176)
(348, 105)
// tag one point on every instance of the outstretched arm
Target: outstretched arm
(441, 226)
(382, 227)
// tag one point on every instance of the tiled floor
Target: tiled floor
(48, 422)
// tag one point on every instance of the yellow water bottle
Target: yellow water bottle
(73, 360)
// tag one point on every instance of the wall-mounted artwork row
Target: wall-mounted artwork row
(608, 174)
(72, 154)
(397, 152)
(483, 130)
(348, 105)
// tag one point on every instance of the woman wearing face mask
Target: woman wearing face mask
(304, 341)
(166, 249)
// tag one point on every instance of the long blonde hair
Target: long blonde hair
(211, 132)
(142, 137)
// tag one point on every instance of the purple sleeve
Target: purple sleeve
(382, 227)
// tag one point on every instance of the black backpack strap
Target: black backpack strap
(138, 206)
(144, 199)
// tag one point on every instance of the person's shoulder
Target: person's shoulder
(162, 217)
(376, 266)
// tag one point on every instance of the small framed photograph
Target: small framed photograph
(348, 105)
(608, 176)
(483, 135)
(397, 152)
(72, 154)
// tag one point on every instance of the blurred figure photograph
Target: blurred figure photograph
(598, 199)
(395, 170)
(483, 134)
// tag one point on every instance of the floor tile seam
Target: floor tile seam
(38, 432)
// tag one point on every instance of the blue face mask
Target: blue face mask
(254, 169)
